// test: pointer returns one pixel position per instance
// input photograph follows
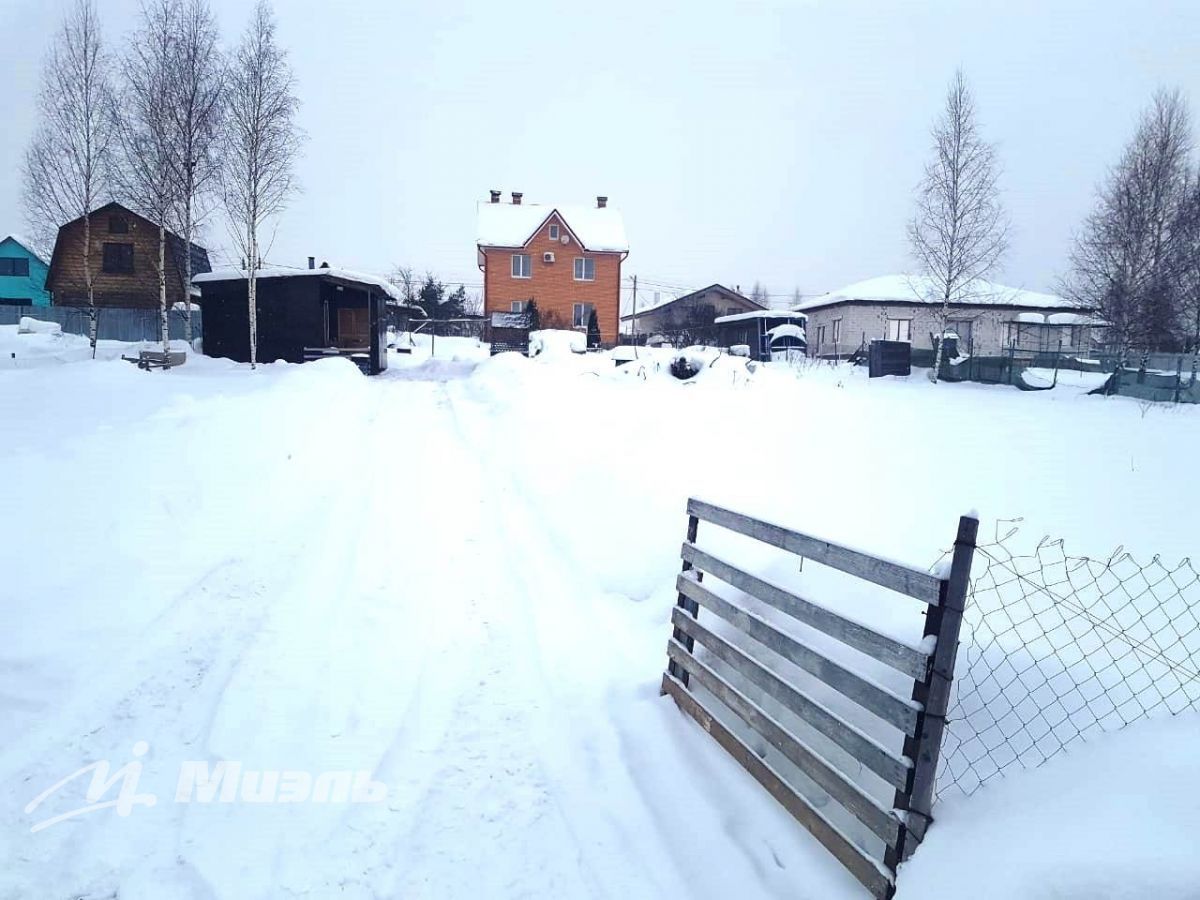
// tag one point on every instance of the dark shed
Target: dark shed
(765, 332)
(303, 314)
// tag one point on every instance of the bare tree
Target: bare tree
(760, 295)
(262, 143)
(196, 109)
(1124, 258)
(404, 278)
(146, 173)
(959, 231)
(66, 167)
(1186, 264)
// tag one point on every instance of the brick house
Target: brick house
(899, 308)
(124, 259)
(567, 258)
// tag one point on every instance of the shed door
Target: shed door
(353, 328)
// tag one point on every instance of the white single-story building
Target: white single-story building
(989, 319)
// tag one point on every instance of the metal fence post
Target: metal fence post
(945, 621)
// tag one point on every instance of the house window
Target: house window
(899, 330)
(837, 331)
(580, 314)
(118, 259)
(517, 306)
(16, 267)
(820, 335)
(585, 269)
(118, 225)
(521, 266)
(554, 232)
(961, 327)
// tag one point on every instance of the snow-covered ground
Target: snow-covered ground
(456, 578)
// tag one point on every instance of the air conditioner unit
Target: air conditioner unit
(565, 240)
(547, 257)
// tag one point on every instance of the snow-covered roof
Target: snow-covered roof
(28, 245)
(920, 289)
(513, 224)
(787, 330)
(763, 314)
(231, 274)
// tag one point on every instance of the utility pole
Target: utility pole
(633, 321)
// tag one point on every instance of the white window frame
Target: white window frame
(517, 306)
(554, 231)
(526, 266)
(583, 310)
(907, 330)
(837, 330)
(581, 266)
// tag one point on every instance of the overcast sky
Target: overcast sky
(742, 142)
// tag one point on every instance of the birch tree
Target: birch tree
(262, 143)
(1124, 261)
(960, 231)
(1186, 266)
(66, 167)
(146, 174)
(195, 118)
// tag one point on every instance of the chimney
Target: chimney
(495, 196)
(312, 262)
(517, 195)
(601, 202)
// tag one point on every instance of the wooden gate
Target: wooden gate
(910, 769)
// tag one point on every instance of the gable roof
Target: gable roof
(175, 243)
(601, 230)
(24, 245)
(719, 288)
(919, 289)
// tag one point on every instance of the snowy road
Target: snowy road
(455, 579)
(382, 597)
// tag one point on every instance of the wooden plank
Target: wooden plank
(871, 754)
(881, 821)
(891, 652)
(687, 604)
(887, 706)
(904, 579)
(867, 871)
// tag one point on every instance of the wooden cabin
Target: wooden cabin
(303, 314)
(124, 262)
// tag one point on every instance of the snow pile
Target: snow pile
(552, 342)
(29, 325)
(1112, 818)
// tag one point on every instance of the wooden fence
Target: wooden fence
(910, 769)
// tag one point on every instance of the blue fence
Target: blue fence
(113, 324)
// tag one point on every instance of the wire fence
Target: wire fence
(1058, 648)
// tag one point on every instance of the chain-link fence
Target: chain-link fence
(1057, 648)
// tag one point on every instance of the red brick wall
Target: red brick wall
(553, 285)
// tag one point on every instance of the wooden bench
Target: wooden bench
(157, 359)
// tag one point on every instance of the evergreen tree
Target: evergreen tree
(593, 330)
(533, 316)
